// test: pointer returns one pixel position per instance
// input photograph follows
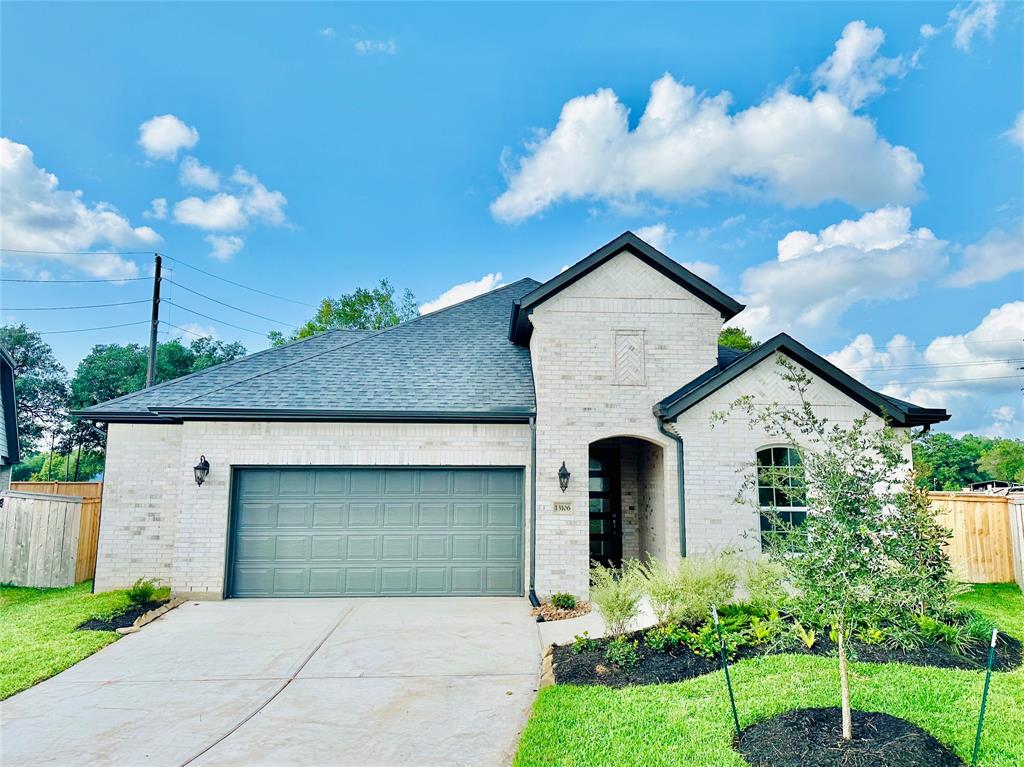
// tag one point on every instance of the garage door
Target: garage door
(370, 532)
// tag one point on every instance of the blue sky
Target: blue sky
(306, 149)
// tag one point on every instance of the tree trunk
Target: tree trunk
(844, 685)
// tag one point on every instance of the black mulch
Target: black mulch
(812, 737)
(682, 663)
(121, 620)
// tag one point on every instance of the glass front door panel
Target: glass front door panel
(605, 510)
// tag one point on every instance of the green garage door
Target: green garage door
(308, 532)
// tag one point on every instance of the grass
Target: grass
(37, 631)
(690, 724)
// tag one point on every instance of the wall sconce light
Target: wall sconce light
(563, 477)
(202, 469)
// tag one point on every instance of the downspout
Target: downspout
(533, 511)
(680, 481)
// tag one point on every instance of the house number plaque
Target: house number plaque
(563, 507)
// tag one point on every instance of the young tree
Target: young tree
(40, 383)
(870, 550)
(737, 338)
(363, 309)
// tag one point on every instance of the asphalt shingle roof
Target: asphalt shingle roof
(456, 360)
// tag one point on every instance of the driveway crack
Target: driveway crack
(278, 691)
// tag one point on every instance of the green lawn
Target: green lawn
(37, 631)
(689, 723)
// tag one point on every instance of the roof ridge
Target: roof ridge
(372, 334)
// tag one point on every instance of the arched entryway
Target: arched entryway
(626, 488)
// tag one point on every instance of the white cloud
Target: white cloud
(222, 211)
(157, 209)
(1016, 133)
(855, 72)
(162, 137)
(38, 215)
(368, 47)
(250, 201)
(659, 236)
(195, 329)
(706, 231)
(977, 17)
(796, 150)
(258, 201)
(462, 292)
(224, 246)
(327, 32)
(710, 272)
(928, 31)
(193, 173)
(993, 257)
(968, 374)
(817, 277)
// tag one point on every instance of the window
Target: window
(780, 488)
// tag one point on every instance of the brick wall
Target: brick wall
(717, 459)
(604, 351)
(142, 485)
(157, 521)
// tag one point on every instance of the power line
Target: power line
(939, 381)
(46, 282)
(82, 306)
(83, 330)
(229, 306)
(239, 284)
(912, 345)
(214, 319)
(183, 330)
(80, 252)
(938, 365)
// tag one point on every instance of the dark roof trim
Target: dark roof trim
(899, 412)
(520, 328)
(10, 405)
(180, 414)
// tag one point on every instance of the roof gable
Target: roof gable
(520, 328)
(900, 413)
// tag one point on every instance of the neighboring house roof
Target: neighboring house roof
(10, 452)
(900, 412)
(452, 364)
(520, 327)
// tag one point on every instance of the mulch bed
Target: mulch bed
(812, 737)
(548, 612)
(122, 620)
(681, 663)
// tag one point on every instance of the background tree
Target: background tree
(737, 338)
(1004, 460)
(40, 384)
(363, 309)
(76, 466)
(870, 551)
(114, 370)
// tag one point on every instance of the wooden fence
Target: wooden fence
(987, 544)
(90, 507)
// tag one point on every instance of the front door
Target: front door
(605, 508)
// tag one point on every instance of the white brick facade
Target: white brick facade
(157, 522)
(604, 350)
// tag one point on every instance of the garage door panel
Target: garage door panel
(355, 531)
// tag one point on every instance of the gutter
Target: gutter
(681, 481)
(533, 512)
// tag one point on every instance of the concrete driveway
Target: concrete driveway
(350, 682)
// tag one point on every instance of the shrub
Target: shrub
(979, 627)
(664, 637)
(616, 593)
(142, 591)
(686, 595)
(583, 643)
(805, 635)
(704, 642)
(622, 652)
(764, 581)
(563, 601)
(764, 630)
(955, 636)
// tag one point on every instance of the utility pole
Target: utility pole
(154, 325)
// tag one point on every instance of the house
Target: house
(490, 448)
(10, 453)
